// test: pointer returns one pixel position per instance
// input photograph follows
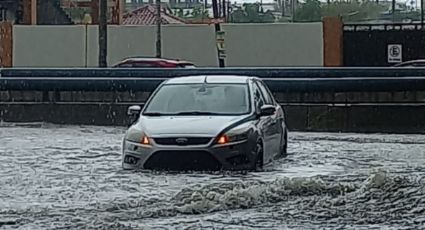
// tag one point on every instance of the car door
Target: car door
(275, 127)
(265, 124)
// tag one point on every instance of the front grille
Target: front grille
(183, 140)
(182, 160)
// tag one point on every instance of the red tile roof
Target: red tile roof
(146, 15)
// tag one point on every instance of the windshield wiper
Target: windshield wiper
(196, 113)
(153, 114)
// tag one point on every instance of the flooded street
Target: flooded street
(70, 177)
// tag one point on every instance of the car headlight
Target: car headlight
(136, 136)
(237, 134)
(145, 140)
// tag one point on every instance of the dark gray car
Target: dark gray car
(206, 123)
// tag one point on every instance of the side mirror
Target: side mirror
(134, 110)
(267, 110)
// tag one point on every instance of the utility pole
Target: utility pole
(224, 9)
(422, 14)
(87, 21)
(393, 6)
(293, 10)
(103, 33)
(217, 30)
(158, 29)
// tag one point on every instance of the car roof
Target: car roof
(226, 79)
(418, 61)
(155, 60)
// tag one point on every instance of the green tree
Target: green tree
(180, 13)
(353, 11)
(199, 13)
(310, 11)
(251, 13)
(313, 10)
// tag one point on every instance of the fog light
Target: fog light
(131, 160)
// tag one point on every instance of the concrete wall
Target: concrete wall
(274, 44)
(392, 112)
(46, 46)
(246, 44)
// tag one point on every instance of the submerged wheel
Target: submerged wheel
(259, 162)
(284, 147)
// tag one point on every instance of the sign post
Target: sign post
(395, 53)
(220, 44)
(217, 30)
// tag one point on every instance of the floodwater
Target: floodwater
(69, 177)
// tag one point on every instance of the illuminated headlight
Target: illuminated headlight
(139, 137)
(237, 134)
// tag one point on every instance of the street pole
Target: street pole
(86, 45)
(87, 20)
(103, 33)
(217, 29)
(293, 10)
(158, 29)
(393, 6)
(224, 10)
(422, 14)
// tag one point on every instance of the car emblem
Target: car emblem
(181, 140)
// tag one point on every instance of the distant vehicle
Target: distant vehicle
(206, 123)
(146, 62)
(412, 63)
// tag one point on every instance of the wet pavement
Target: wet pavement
(70, 177)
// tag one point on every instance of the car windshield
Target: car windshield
(199, 99)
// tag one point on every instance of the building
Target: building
(146, 15)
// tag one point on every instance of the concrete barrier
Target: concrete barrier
(389, 100)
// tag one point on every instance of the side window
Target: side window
(125, 65)
(258, 97)
(267, 97)
(272, 98)
(143, 65)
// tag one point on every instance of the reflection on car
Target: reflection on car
(411, 63)
(206, 123)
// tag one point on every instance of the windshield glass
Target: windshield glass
(200, 99)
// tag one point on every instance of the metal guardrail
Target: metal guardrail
(269, 72)
(278, 79)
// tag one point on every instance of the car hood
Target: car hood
(186, 125)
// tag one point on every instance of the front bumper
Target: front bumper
(233, 156)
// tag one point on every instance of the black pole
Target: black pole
(228, 11)
(86, 44)
(422, 14)
(217, 29)
(103, 33)
(158, 29)
(393, 6)
(224, 9)
(219, 8)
